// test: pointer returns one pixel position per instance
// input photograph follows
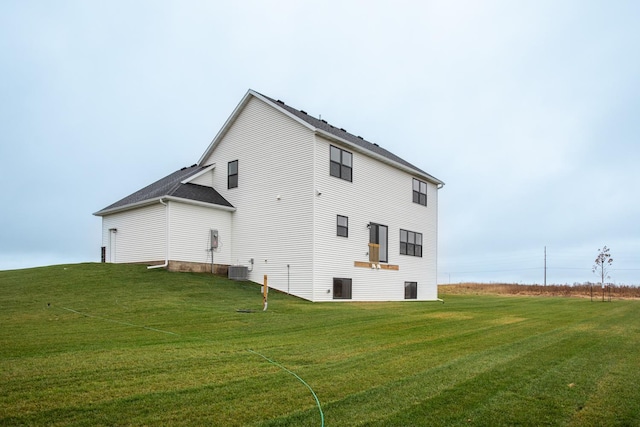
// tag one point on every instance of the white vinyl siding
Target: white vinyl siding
(206, 179)
(140, 236)
(285, 217)
(273, 223)
(190, 235)
(373, 196)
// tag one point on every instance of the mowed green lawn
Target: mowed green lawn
(100, 344)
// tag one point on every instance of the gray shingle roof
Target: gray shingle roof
(171, 185)
(343, 134)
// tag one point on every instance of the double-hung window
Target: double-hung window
(410, 243)
(341, 164)
(419, 192)
(232, 174)
(342, 226)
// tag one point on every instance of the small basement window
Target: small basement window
(341, 288)
(410, 290)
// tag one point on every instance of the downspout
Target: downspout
(166, 233)
(438, 187)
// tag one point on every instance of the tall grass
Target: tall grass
(99, 344)
(582, 290)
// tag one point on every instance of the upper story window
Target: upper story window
(343, 226)
(410, 243)
(341, 163)
(419, 192)
(232, 174)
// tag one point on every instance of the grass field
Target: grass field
(101, 344)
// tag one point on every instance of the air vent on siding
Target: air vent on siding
(238, 272)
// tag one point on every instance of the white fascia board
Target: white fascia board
(283, 111)
(198, 203)
(223, 130)
(377, 156)
(202, 172)
(362, 150)
(128, 207)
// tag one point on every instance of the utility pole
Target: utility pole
(545, 266)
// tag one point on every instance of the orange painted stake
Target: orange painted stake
(265, 290)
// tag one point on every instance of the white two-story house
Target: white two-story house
(324, 214)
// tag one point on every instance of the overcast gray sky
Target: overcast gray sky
(528, 110)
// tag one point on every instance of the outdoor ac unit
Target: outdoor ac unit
(238, 272)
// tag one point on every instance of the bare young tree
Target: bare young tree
(601, 267)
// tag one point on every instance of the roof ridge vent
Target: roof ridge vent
(194, 165)
(323, 120)
(280, 102)
(376, 144)
(343, 129)
(360, 137)
(183, 168)
(303, 112)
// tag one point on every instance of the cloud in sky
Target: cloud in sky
(527, 110)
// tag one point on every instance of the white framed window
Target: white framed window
(419, 192)
(410, 243)
(341, 163)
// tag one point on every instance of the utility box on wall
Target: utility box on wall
(214, 239)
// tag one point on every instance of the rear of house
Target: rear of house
(373, 242)
(326, 215)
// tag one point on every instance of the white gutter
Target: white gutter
(166, 217)
(198, 203)
(154, 200)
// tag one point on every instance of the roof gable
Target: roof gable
(321, 127)
(175, 185)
